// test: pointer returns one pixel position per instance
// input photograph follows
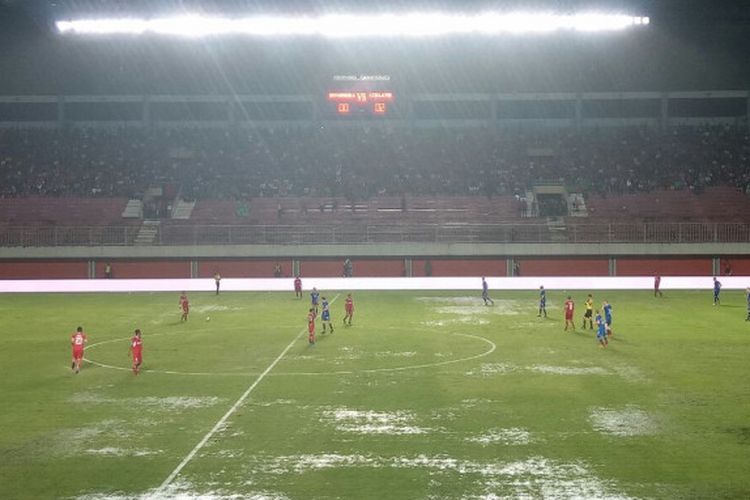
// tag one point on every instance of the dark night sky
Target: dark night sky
(690, 45)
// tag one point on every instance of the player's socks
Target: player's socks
(73, 366)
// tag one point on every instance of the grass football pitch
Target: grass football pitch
(427, 395)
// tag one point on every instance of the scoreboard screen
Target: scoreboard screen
(360, 95)
(358, 101)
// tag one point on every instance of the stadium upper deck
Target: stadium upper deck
(360, 163)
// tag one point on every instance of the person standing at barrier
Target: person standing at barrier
(486, 293)
(542, 302)
(78, 341)
(217, 279)
(717, 291)
(108, 270)
(136, 351)
(657, 285)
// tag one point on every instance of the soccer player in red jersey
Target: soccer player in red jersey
(185, 306)
(78, 341)
(311, 326)
(298, 287)
(348, 309)
(569, 307)
(657, 284)
(136, 351)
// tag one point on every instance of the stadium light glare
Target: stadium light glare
(349, 25)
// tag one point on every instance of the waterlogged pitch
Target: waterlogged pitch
(426, 395)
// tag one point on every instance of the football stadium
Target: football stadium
(394, 250)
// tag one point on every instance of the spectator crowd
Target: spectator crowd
(358, 163)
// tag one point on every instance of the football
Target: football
(208, 318)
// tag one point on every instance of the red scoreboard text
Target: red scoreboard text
(349, 102)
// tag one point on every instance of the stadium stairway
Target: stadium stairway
(133, 209)
(182, 209)
(147, 232)
(558, 231)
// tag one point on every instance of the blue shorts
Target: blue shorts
(608, 321)
(325, 316)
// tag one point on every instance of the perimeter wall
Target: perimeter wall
(392, 260)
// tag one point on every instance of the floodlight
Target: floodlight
(415, 24)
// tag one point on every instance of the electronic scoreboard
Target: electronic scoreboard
(360, 96)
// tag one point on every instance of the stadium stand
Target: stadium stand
(362, 163)
(362, 184)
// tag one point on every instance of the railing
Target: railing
(186, 234)
(67, 236)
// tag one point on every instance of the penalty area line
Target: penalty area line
(228, 414)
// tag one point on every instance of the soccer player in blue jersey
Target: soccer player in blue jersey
(717, 291)
(486, 293)
(607, 307)
(601, 331)
(325, 315)
(314, 297)
(542, 302)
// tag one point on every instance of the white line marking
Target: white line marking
(228, 414)
(408, 367)
(307, 374)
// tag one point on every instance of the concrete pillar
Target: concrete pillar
(146, 111)
(664, 112)
(61, 111)
(230, 112)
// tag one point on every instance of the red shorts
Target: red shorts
(311, 328)
(349, 310)
(77, 354)
(185, 310)
(137, 357)
(569, 316)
